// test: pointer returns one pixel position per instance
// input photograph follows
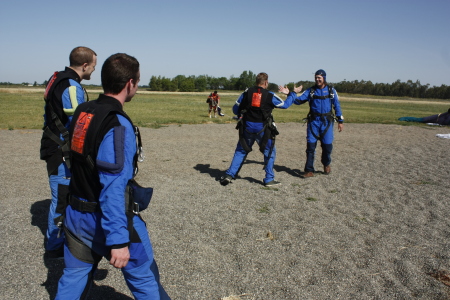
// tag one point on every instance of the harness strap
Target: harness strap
(326, 117)
(64, 144)
(80, 250)
(139, 156)
(240, 126)
(83, 206)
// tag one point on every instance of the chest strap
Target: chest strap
(83, 206)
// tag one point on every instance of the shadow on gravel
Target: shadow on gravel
(206, 168)
(216, 173)
(293, 172)
(55, 267)
(39, 214)
(106, 292)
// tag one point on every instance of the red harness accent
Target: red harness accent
(49, 85)
(79, 133)
(256, 99)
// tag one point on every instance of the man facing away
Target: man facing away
(62, 96)
(254, 108)
(102, 217)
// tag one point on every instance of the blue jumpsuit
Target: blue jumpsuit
(319, 127)
(253, 132)
(70, 93)
(101, 230)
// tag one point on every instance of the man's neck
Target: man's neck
(321, 86)
(78, 71)
(118, 97)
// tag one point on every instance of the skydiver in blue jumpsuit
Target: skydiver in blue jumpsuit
(322, 99)
(254, 128)
(98, 220)
(62, 96)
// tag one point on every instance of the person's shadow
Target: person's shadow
(279, 169)
(216, 173)
(39, 214)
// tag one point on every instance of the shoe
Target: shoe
(308, 174)
(272, 183)
(326, 170)
(224, 180)
(55, 254)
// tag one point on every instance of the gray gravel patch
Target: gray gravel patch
(375, 228)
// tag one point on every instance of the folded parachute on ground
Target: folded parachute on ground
(441, 119)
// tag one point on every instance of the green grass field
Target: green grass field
(23, 109)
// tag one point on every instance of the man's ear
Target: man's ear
(129, 84)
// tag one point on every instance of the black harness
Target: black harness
(256, 106)
(90, 123)
(52, 131)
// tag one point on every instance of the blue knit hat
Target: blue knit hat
(322, 73)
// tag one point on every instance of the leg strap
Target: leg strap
(80, 250)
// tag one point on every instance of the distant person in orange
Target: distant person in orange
(213, 101)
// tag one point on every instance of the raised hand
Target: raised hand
(283, 90)
(298, 89)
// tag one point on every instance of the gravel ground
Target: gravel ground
(375, 228)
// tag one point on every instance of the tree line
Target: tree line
(182, 83)
(202, 83)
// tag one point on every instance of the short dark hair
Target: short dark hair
(81, 55)
(117, 70)
(261, 77)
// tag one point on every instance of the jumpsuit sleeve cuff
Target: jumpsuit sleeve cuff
(119, 246)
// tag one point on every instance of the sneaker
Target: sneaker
(308, 174)
(272, 183)
(224, 180)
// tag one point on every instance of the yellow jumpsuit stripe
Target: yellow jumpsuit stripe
(73, 101)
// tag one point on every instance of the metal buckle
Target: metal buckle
(135, 208)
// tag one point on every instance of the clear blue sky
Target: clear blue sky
(376, 40)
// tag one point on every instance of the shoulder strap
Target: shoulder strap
(330, 92)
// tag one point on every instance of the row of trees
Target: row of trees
(201, 83)
(23, 83)
(247, 79)
(395, 89)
